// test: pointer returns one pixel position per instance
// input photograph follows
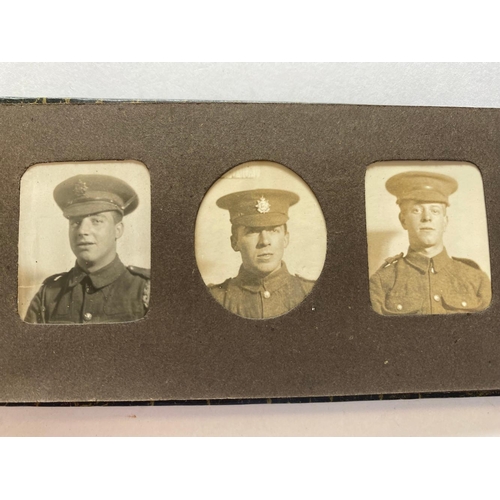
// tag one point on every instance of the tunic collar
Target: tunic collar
(271, 283)
(439, 261)
(101, 278)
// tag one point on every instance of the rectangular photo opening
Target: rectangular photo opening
(427, 233)
(84, 243)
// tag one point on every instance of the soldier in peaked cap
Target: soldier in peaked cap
(99, 289)
(263, 288)
(426, 280)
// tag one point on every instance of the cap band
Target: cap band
(262, 220)
(89, 208)
(423, 195)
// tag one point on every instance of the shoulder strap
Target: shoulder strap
(222, 285)
(53, 278)
(305, 279)
(391, 260)
(140, 271)
(469, 262)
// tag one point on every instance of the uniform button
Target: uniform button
(464, 304)
(87, 316)
(437, 298)
(87, 289)
(267, 294)
(399, 307)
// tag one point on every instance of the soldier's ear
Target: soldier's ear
(234, 243)
(402, 220)
(119, 230)
(235, 236)
(287, 239)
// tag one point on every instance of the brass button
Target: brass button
(464, 304)
(87, 316)
(267, 294)
(437, 298)
(399, 307)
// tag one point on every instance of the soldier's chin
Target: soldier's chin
(85, 255)
(428, 242)
(268, 268)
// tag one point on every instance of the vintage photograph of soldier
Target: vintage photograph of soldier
(438, 272)
(99, 287)
(258, 226)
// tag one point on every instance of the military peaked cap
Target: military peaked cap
(90, 194)
(258, 207)
(422, 186)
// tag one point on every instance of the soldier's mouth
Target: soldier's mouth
(426, 229)
(265, 256)
(85, 244)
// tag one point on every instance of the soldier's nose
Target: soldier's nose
(84, 227)
(264, 238)
(426, 215)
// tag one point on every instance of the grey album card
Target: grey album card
(226, 251)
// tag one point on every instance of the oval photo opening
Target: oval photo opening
(260, 240)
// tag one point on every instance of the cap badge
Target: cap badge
(263, 206)
(80, 188)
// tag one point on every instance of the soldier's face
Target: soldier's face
(93, 238)
(425, 223)
(261, 248)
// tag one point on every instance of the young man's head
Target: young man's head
(425, 223)
(423, 199)
(258, 227)
(95, 206)
(261, 248)
(93, 238)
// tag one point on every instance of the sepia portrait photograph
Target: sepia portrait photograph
(260, 240)
(428, 250)
(84, 243)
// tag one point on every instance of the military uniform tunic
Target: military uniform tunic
(416, 284)
(112, 294)
(257, 298)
